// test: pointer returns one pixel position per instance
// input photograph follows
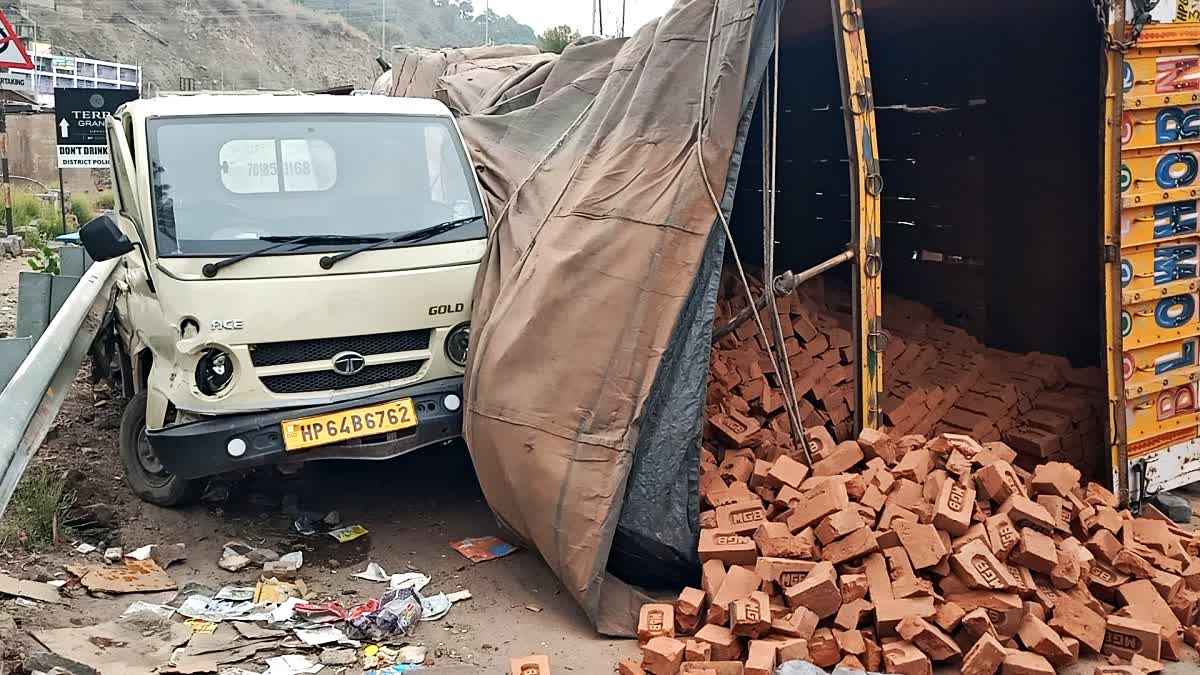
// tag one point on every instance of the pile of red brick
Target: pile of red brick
(896, 554)
(938, 378)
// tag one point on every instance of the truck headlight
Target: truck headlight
(457, 342)
(214, 372)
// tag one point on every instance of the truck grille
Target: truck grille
(300, 351)
(323, 380)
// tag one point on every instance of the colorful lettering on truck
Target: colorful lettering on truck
(1159, 254)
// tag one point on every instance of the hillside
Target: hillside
(426, 23)
(247, 44)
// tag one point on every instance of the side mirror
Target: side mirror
(103, 239)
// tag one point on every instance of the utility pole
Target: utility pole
(600, 13)
(487, 23)
(594, 16)
(622, 18)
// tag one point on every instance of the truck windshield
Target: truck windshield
(220, 184)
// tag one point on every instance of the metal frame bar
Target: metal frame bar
(866, 187)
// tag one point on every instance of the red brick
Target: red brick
(695, 650)
(630, 667)
(814, 506)
(839, 524)
(823, 648)
(850, 615)
(1035, 551)
(843, 458)
(928, 638)
(921, 542)
(850, 641)
(819, 591)
(914, 466)
(656, 620)
(750, 617)
(534, 664)
(856, 545)
(1072, 618)
(662, 656)
(1041, 639)
(1004, 610)
(1025, 663)
(998, 481)
(760, 658)
(734, 428)
(790, 649)
(1002, 535)
(955, 504)
(1024, 512)
(783, 571)
(1143, 602)
(739, 582)
(948, 617)
(980, 569)
(984, 658)
(800, 623)
(1054, 478)
(786, 471)
(904, 658)
(732, 549)
(889, 613)
(854, 587)
(725, 645)
(712, 575)
(1125, 637)
(877, 444)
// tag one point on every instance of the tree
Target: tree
(557, 38)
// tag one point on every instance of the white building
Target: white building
(51, 71)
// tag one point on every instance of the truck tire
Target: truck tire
(144, 473)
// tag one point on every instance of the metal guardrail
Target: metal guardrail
(32, 398)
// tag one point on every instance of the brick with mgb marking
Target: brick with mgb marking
(656, 620)
(734, 428)
(729, 548)
(955, 503)
(1024, 512)
(979, 568)
(818, 591)
(1125, 637)
(1002, 535)
(750, 617)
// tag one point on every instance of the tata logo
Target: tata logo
(348, 363)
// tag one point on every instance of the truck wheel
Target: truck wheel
(144, 472)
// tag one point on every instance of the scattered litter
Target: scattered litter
(395, 668)
(459, 596)
(411, 654)
(238, 593)
(434, 607)
(85, 548)
(533, 608)
(275, 591)
(261, 556)
(414, 580)
(285, 611)
(799, 667)
(234, 563)
(113, 554)
(286, 564)
(57, 583)
(315, 637)
(304, 525)
(374, 572)
(136, 576)
(201, 626)
(339, 657)
(252, 631)
(139, 610)
(292, 664)
(166, 555)
(345, 534)
(332, 519)
(142, 553)
(376, 656)
(129, 647)
(29, 589)
(480, 549)
(322, 613)
(399, 612)
(210, 609)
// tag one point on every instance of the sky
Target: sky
(542, 14)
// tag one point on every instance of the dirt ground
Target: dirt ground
(412, 506)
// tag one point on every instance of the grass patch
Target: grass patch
(36, 511)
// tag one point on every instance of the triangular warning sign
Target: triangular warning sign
(12, 51)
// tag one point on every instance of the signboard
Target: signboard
(12, 52)
(22, 83)
(79, 116)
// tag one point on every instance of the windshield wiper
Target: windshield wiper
(415, 235)
(210, 270)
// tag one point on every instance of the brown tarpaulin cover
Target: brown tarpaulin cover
(600, 224)
(461, 78)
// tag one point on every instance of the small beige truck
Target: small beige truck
(295, 284)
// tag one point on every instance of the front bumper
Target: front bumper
(198, 449)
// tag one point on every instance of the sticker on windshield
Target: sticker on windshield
(252, 166)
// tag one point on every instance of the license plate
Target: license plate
(306, 432)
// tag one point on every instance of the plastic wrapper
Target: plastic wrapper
(398, 614)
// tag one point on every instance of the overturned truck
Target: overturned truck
(956, 237)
